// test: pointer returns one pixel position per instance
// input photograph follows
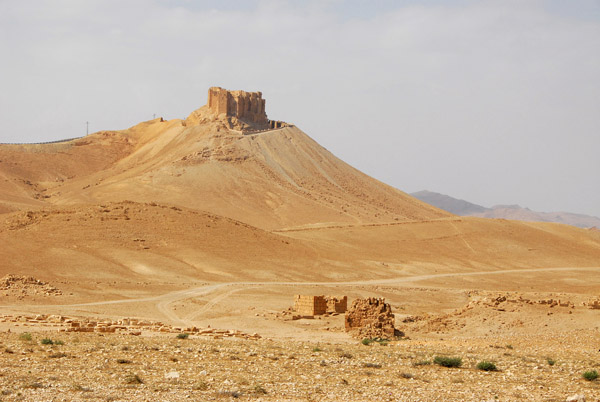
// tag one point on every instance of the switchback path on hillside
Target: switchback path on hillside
(164, 301)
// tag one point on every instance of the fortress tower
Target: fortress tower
(246, 106)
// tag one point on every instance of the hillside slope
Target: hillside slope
(276, 179)
(211, 199)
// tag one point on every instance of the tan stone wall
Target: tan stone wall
(310, 305)
(335, 305)
(247, 106)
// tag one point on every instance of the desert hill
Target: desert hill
(275, 179)
(119, 246)
(515, 212)
(229, 195)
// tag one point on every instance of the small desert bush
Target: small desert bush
(346, 355)
(183, 336)
(132, 379)
(590, 375)
(371, 365)
(47, 341)
(380, 341)
(422, 363)
(200, 386)
(25, 336)
(486, 366)
(258, 389)
(445, 361)
(317, 349)
(123, 361)
(551, 362)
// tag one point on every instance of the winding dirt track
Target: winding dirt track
(164, 301)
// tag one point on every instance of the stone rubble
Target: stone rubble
(132, 326)
(371, 318)
(24, 286)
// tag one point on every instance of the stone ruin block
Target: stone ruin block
(310, 305)
(246, 106)
(318, 305)
(371, 318)
(336, 305)
(593, 304)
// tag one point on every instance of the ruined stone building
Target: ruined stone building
(248, 107)
(318, 305)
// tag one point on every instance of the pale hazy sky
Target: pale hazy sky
(494, 102)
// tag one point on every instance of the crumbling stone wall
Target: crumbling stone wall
(371, 318)
(246, 106)
(336, 305)
(319, 305)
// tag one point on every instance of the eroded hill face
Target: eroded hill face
(274, 179)
(210, 198)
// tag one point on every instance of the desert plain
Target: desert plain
(161, 262)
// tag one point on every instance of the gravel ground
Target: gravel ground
(113, 367)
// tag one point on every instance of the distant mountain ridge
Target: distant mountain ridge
(514, 212)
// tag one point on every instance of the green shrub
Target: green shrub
(422, 363)
(380, 341)
(590, 375)
(486, 366)
(551, 362)
(25, 336)
(183, 336)
(448, 361)
(317, 349)
(47, 341)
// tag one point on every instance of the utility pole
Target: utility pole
(87, 127)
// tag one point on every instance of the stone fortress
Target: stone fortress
(248, 107)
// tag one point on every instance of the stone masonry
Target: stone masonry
(371, 318)
(335, 305)
(318, 305)
(310, 305)
(246, 106)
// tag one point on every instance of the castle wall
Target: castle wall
(246, 106)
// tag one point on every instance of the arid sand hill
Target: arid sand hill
(211, 224)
